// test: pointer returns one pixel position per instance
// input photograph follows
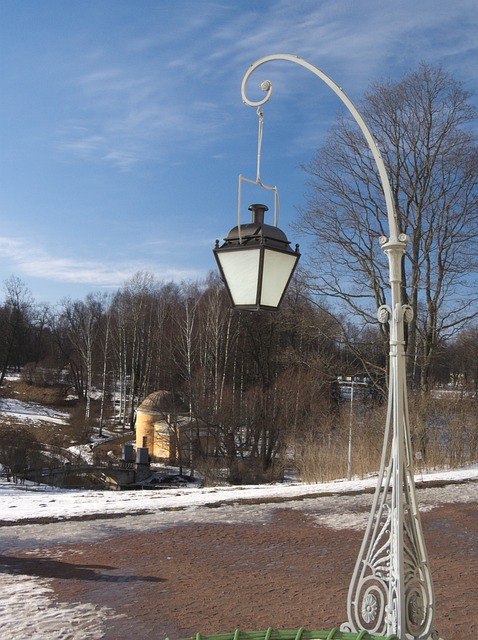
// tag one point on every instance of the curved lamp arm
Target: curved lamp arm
(267, 87)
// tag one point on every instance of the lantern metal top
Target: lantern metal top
(257, 230)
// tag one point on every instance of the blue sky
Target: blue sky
(123, 132)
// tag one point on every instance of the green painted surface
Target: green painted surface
(298, 634)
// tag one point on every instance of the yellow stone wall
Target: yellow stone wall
(153, 433)
(163, 446)
(145, 432)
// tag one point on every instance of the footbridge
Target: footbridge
(112, 476)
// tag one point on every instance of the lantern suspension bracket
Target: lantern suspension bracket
(256, 261)
(258, 180)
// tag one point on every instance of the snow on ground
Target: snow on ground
(27, 502)
(28, 609)
(31, 411)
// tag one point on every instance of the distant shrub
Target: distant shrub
(34, 374)
(20, 452)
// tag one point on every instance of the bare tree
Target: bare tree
(462, 361)
(14, 321)
(81, 321)
(422, 125)
(132, 307)
(105, 333)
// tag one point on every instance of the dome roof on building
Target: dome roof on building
(161, 402)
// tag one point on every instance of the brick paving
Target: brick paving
(213, 578)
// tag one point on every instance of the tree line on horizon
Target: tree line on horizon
(263, 383)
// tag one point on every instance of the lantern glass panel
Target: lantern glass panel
(278, 268)
(241, 271)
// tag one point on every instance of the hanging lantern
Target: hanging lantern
(256, 263)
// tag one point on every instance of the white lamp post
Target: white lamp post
(391, 590)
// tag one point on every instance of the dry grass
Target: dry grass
(444, 433)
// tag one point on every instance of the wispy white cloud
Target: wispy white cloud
(128, 123)
(31, 261)
(154, 95)
(361, 40)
